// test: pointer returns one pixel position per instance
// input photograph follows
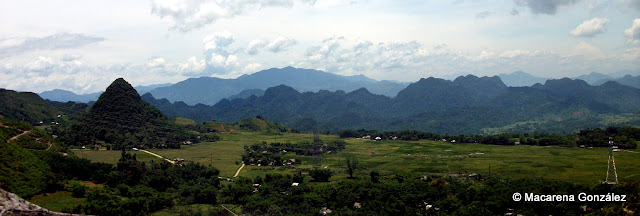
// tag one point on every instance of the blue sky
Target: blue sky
(84, 45)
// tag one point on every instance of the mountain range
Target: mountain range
(520, 78)
(64, 95)
(468, 104)
(210, 90)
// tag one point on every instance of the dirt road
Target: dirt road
(157, 155)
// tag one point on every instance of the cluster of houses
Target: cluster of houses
(53, 122)
(376, 138)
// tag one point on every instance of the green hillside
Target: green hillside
(25, 106)
(121, 118)
(32, 162)
(259, 124)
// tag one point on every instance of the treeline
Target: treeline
(623, 137)
(406, 195)
(160, 138)
(34, 163)
(272, 154)
(130, 188)
(135, 188)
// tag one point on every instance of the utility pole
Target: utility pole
(611, 161)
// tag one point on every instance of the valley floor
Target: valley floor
(424, 157)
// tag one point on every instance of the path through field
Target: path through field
(17, 136)
(238, 172)
(157, 155)
(229, 210)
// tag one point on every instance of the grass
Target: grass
(111, 157)
(57, 201)
(587, 166)
(222, 154)
(197, 209)
(185, 121)
(578, 165)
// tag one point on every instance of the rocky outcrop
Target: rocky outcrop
(11, 204)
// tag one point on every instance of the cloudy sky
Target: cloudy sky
(84, 45)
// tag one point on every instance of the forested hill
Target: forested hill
(468, 105)
(121, 117)
(29, 107)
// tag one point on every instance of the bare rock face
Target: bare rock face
(11, 204)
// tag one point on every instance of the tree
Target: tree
(352, 164)
(320, 175)
(375, 176)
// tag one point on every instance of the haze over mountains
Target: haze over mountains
(210, 90)
(468, 104)
(64, 95)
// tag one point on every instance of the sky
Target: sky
(82, 46)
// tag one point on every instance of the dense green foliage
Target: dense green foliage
(26, 107)
(623, 137)
(259, 124)
(121, 118)
(404, 195)
(273, 154)
(320, 175)
(137, 189)
(32, 163)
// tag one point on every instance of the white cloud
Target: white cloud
(192, 66)
(514, 53)
(549, 7)
(156, 63)
(218, 40)
(484, 55)
(216, 49)
(43, 64)
(280, 44)
(632, 54)
(16, 46)
(68, 57)
(254, 47)
(253, 67)
(47, 73)
(590, 28)
(232, 61)
(586, 49)
(194, 14)
(633, 33)
(409, 61)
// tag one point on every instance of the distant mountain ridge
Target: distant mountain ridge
(633, 81)
(210, 90)
(520, 78)
(469, 104)
(595, 78)
(64, 95)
